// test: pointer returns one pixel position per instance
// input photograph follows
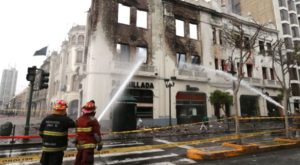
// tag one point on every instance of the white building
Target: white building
(7, 86)
(285, 14)
(168, 35)
(66, 68)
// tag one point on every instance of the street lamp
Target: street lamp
(169, 84)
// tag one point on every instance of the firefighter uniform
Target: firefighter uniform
(54, 133)
(88, 135)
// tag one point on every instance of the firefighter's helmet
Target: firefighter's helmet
(60, 105)
(89, 107)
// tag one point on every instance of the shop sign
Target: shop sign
(145, 85)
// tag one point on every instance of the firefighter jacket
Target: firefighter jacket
(88, 132)
(54, 132)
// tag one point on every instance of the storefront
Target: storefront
(135, 102)
(249, 105)
(190, 107)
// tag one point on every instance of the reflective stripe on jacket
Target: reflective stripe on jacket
(87, 132)
(54, 133)
(53, 149)
(84, 129)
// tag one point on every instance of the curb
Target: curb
(229, 149)
(286, 140)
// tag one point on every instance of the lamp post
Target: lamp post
(169, 84)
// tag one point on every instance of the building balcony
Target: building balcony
(272, 83)
(253, 81)
(295, 82)
(123, 68)
(191, 74)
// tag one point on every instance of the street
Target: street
(175, 155)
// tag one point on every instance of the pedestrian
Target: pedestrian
(296, 122)
(204, 124)
(88, 135)
(54, 133)
(139, 123)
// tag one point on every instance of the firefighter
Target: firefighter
(54, 133)
(88, 135)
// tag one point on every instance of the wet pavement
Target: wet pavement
(279, 157)
(163, 156)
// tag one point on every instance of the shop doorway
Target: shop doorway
(273, 110)
(249, 105)
(124, 116)
(132, 105)
(190, 107)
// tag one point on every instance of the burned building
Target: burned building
(173, 37)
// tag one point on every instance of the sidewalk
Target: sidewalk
(248, 146)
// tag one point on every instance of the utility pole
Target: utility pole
(31, 73)
(29, 108)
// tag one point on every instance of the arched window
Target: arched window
(80, 39)
(73, 40)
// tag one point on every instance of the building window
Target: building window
(282, 3)
(288, 43)
(264, 73)
(295, 32)
(214, 36)
(123, 52)
(249, 70)
(269, 49)
(236, 6)
(80, 39)
(123, 14)
(261, 47)
(221, 37)
(73, 40)
(272, 74)
(284, 15)
(216, 64)
(237, 39)
(79, 54)
(142, 53)
(293, 18)
(298, 8)
(286, 29)
(196, 59)
(193, 31)
(223, 65)
(179, 28)
(142, 19)
(180, 60)
(247, 43)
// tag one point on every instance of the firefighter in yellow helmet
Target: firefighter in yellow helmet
(88, 135)
(54, 133)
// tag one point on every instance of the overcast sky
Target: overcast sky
(28, 25)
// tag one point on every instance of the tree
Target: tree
(285, 61)
(242, 45)
(220, 99)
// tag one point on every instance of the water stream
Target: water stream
(122, 87)
(229, 76)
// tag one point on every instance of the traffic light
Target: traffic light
(31, 72)
(44, 80)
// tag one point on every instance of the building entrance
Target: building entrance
(190, 107)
